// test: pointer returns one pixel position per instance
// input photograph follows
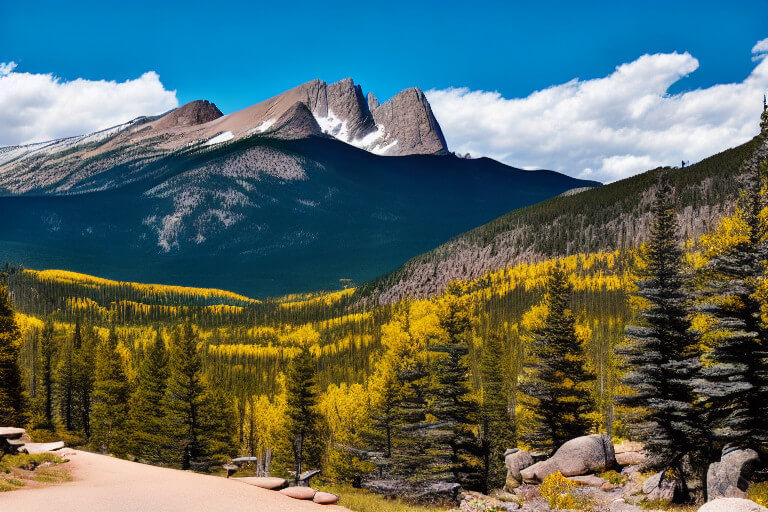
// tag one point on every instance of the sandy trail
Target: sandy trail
(105, 484)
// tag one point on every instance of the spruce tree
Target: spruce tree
(45, 394)
(412, 446)
(559, 379)
(184, 398)
(497, 428)
(661, 354)
(65, 377)
(303, 418)
(453, 405)
(85, 361)
(735, 384)
(13, 407)
(146, 408)
(111, 393)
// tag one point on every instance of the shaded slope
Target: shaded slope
(266, 216)
(614, 216)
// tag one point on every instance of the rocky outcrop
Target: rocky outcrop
(296, 123)
(191, 114)
(346, 101)
(373, 103)
(729, 478)
(662, 486)
(409, 125)
(579, 456)
(424, 492)
(516, 460)
(630, 454)
(732, 505)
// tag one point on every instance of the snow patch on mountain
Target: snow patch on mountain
(222, 137)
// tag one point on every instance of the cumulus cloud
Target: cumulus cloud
(760, 50)
(38, 107)
(607, 128)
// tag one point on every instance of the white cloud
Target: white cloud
(39, 107)
(760, 50)
(607, 128)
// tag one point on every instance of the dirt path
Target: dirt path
(106, 484)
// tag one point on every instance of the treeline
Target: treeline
(611, 217)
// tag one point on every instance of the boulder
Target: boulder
(300, 493)
(325, 498)
(265, 482)
(630, 459)
(516, 460)
(586, 454)
(31, 448)
(589, 480)
(662, 487)
(432, 491)
(729, 478)
(732, 505)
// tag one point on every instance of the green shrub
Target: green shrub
(758, 493)
(613, 477)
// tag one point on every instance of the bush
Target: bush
(758, 493)
(613, 477)
(558, 491)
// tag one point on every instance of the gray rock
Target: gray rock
(729, 478)
(630, 459)
(589, 480)
(373, 103)
(425, 492)
(662, 487)
(408, 119)
(516, 460)
(586, 454)
(732, 505)
(296, 123)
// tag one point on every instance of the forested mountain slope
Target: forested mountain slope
(612, 217)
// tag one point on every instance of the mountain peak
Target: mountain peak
(411, 123)
(190, 114)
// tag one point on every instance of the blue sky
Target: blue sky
(599, 91)
(236, 53)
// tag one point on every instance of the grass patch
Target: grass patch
(10, 484)
(360, 500)
(613, 477)
(27, 462)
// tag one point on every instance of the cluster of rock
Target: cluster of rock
(16, 440)
(297, 492)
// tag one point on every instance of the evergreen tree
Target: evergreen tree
(184, 398)
(65, 377)
(44, 401)
(303, 418)
(412, 447)
(146, 409)
(111, 394)
(735, 384)
(13, 409)
(452, 403)
(662, 354)
(86, 346)
(497, 427)
(559, 378)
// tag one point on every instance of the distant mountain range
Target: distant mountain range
(317, 184)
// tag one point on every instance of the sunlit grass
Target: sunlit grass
(360, 500)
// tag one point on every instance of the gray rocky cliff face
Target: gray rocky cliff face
(408, 119)
(404, 125)
(296, 123)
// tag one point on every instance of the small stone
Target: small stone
(325, 498)
(299, 493)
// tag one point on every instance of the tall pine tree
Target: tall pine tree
(559, 379)
(661, 354)
(13, 410)
(735, 384)
(303, 418)
(146, 410)
(86, 346)
(44, 401)
(497, 428)
(65, 377)
(453, 405)
(109, 415)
